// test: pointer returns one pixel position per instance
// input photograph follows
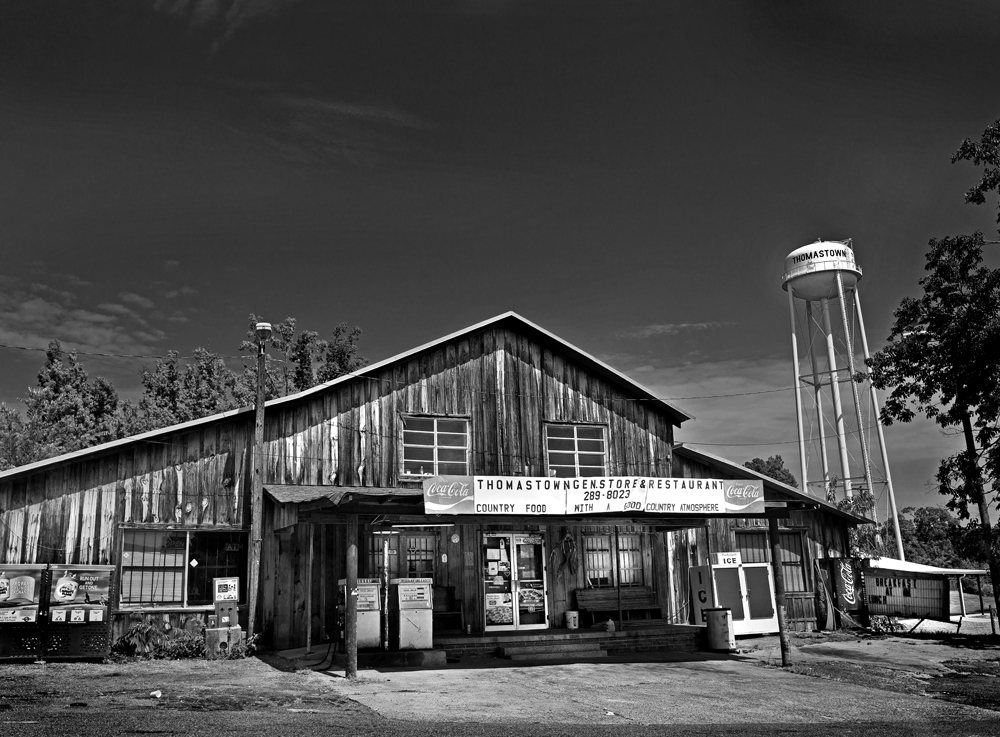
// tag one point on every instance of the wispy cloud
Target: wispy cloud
(649, 331)
(136, 299)
(183, 291)
(171, 264)
(32, 315)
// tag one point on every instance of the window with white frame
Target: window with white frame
(435, 446)
(576, 450)
(176, 567)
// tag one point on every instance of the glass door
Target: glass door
(529, 582)
(514, 581)
(497, 582)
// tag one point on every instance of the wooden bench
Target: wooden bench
(604, 602)
(448, 615)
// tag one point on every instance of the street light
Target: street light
(262, 331)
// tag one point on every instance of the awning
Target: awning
(891, 564)
(335, 496)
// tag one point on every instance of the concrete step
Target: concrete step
(561, 647)
(576, 655)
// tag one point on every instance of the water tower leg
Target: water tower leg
(893, 514)
(798, 395)
(838, 409)
(865, 460)
(817, 386)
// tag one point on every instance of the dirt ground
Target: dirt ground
(253, 684)
(960, 669)
(963, 669)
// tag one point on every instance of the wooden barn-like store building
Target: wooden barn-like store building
(170, 509)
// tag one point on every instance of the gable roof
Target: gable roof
(506, 319)
(772, 485)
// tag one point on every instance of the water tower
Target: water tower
(837, 416)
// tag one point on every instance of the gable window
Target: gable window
(576, 450)
(176, 567)
(435, 446)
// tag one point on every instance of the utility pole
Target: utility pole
(262, 331)
(779, 591)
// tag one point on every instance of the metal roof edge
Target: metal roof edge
(776, 485)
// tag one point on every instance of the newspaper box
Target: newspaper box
(411, 620)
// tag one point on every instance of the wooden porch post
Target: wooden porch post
(779, 590)
(351, 599)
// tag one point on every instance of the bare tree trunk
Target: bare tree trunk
(974, 482)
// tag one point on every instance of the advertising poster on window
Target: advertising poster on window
(20, 587)
(499, 608)
(634, 495)
(79, 594)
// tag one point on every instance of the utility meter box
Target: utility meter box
(412, 611)
(369, 603)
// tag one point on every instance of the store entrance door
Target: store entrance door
(514, 581)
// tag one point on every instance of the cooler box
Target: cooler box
(412, 623)
(369, 611)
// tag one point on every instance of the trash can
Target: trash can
(572, 620)
(720, 630)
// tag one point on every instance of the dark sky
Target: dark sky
(628, 175)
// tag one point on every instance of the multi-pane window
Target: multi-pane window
(410, 556)
(435, 446)
(599, 552)
(597, 560)
(754, 547)
(176, 567)
(576, 450)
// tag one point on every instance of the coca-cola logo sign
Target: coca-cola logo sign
(745, 496)
(848, 589)
(448, 495)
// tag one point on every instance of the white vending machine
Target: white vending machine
(369, 599)
(412, 613)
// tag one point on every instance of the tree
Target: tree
(986, 154)
(929, 536)
(65, 411)
(15, 447)
(173, 394)
(773, 467)
(942, 359)
(306, 360)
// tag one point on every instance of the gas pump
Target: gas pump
(369, 611)
(411, 618)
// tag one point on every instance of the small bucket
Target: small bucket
(572, 620)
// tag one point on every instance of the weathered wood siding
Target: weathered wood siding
(506, 384)
(72, 512)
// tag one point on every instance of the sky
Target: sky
(629, 176)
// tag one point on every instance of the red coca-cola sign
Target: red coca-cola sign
(847, 582)
(448, 495)
(744, 496)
